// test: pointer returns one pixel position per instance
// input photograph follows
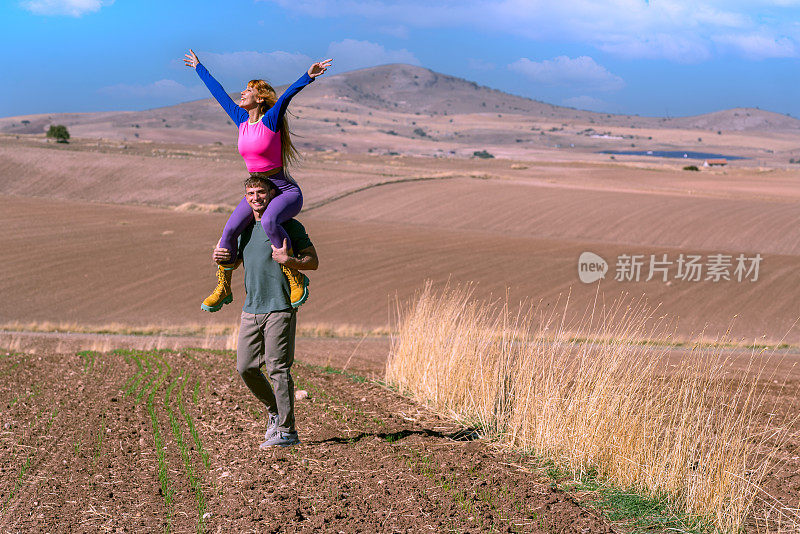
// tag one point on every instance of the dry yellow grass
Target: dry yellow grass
(617, 407)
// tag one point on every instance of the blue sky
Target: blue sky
(675, 57)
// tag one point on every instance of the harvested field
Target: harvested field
(383, 225)
(101, 264)
(172, 173)
(654, 219)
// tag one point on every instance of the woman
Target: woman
(267, 149)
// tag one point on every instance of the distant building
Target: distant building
(713, 162)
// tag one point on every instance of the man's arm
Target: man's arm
(306, 259)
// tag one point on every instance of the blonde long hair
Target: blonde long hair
(264, 90)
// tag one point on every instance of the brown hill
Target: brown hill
(738, 119)
(412, 89)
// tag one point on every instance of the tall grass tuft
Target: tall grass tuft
(592, 395)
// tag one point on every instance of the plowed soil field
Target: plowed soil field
(144, 441)
(154, 441)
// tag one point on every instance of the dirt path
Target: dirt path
(168, 440)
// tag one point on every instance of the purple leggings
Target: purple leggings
(280, 209)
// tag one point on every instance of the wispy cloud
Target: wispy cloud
(759, 46)
(396, 30)
(581, 73)
(678, 48)
(281, 67)
(71, 8)
(277, 67)
(678, 30)
(350, 54)
(159, 90)
(479, 64)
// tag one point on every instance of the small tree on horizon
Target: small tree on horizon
(483, 154)
(59, 133)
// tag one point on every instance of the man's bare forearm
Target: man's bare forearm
(306, 260)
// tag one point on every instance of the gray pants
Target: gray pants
(269, 339)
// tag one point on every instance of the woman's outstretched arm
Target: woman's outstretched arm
(237, 114)
(274, 115)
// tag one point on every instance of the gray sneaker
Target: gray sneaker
(281, 439)
(272, 427)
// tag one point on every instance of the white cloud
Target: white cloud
(162, 89)
(580, 73)
(678, 30)
(276, 67)
(72, 8)
(350, 54)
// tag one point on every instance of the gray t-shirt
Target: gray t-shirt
(266, 286)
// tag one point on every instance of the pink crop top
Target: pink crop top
(259, 146)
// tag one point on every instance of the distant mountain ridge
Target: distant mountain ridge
(399, 88)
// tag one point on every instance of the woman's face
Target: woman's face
(248, 99)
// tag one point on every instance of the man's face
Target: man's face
(258, 197)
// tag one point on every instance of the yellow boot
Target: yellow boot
(222, 294)
(298, 285)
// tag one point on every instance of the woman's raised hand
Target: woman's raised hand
(318, 68)
(191, 59)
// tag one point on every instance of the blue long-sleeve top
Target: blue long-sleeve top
(259, 142)
(238, 115)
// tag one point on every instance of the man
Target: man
(267, 329)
